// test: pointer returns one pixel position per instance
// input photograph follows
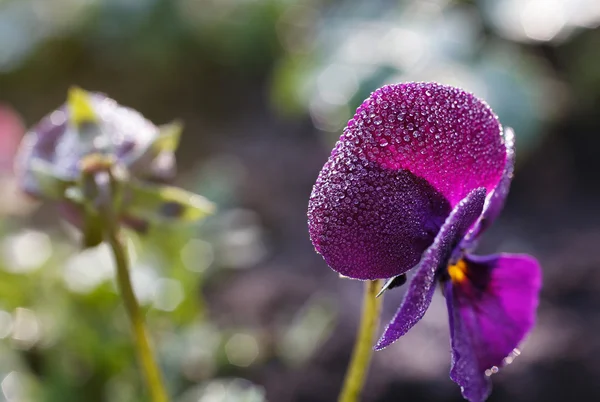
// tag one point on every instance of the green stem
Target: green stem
(140, 334)
(363, 348)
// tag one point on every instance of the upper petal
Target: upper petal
(440, 133)
(409, 155)
(421, 288)
(495, 201)
(491, 310)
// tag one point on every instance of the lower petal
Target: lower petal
(491, 309)
(422, 286)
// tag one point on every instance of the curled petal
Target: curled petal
(422, 286)
(495, 201)
(491, 307)
(407, 157)
(376, 226)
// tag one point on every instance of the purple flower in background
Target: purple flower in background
(420, 172)
(93, 124)
(93, 153)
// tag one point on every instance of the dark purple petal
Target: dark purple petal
(495, 202)
(491, 309)
(422, 286)
(375, 223)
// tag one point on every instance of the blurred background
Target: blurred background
(241, 307)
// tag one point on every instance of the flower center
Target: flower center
(458, 271)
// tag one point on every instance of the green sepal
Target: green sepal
(93, 234)
(169, 136)
(165, 204)
(51, 186)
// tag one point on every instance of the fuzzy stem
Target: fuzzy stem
(363, 348)
(140, 334)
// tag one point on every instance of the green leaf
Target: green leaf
(165, 204)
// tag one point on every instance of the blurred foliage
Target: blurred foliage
(356, 47)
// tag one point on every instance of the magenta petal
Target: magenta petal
(495, 202)
(422, 286)
(440, 133)
(490, 314)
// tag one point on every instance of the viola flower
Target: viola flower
(68, 155)
(419, 173)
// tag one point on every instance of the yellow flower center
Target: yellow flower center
(458, 271)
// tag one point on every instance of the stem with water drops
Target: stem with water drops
(363, 347)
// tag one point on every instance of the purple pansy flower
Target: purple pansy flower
(417, 176)
(68, 155)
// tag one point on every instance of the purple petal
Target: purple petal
(475, 385)
(440, 133)
(38, 143)
(409, 155)
(490, 312)
(495, 202)
(369, 222)
(422, 286)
